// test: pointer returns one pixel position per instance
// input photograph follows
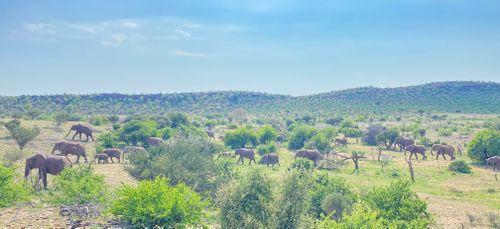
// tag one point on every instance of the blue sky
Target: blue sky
(278, 46)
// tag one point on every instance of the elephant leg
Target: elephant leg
(91, 137)
(111, 160)
(80, 136)
(44, 179)
(86, 137)
(437, 156)
(73, 138)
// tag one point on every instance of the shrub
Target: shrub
(302, 164)
(300, 135)
(241, 137)
(319, 142)
(61, 118)
(459, 166)
(11, 190)
(135, 132)
(330, 196)
(445, 132)
(78, 185)
(485, 144)
(247, 203)
(387, 137)
(399, 207)
(363, 217)
(370, 135)
(293, 199)
(335, 120)
(21, 134)
(98, 120)
(267, 134)
(156, 204)
(12, 156)
(347, 123)
(267, 149)
(178, 119)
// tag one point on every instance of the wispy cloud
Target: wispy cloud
(115, 40)
(41, 28)
(190, 54)
(183, 33)
(129, 24)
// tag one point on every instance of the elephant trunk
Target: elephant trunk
(68, 133)
(27, 171)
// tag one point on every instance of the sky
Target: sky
(277, 46)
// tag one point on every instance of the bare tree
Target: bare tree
(355, 157)
(410, 166)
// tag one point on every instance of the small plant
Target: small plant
(473, 220)
(267, 149)
(21, 134)
(79, 185)
(494, 220)
(13, 156)
(302, 164)
(11, 191)
(459, 166)
(157, 204)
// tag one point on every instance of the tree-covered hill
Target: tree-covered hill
(466, 97)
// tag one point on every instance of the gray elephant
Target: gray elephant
(113, 153)
(154, 142)
(403, 142)
(211, 134)
(415, 150)
(443, 150)
(494, 161)
(245, 153)
(50, 164)
(81, 129)
(270, 159)
(129, 150)
(101, 158)
(313, 155)
(74, 148)
(341, 141)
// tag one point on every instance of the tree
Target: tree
(136, 131)
(352, 133)
(178, 119)
(293, 197)
(247, 203)
(362, 217)
(388, 137)
(334, 120)
(330, 196)
(319, 142)
(21, 134)
(355, 157)
(11, 190)
(154, 203)
(267, 134)
(61, 118)
(241, 137)
(370, 135)
(300, 135)
(485, 144)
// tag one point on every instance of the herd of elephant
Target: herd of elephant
(54, 164)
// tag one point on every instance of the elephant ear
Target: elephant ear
(40, 160)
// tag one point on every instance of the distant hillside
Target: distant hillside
(466, 97)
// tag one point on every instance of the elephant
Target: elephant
(101, 158)
(270, 159)
(341, 141)
(211, 134)
(460, 149)
(416, 149)
(313, 155)
(128, 150)
(81, 129)
(245, 153)
(495, 161)
(154, 142)
(113, 152)
(74, 148)
(403, 142)
(442, 150)
(50, 164)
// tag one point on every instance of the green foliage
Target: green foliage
(330, 133)
(241, 138)
(12, 156)
(113, 118)
(347, 123)
(388, 137)
(11, 190)
(267, 134)
(334, 120)
(21, 134)
(445, 132)
(330, 196)
(98, 120)
(300, 135)
(293, 200)
(302, 165)
(78, 185)
(178, 119)
(156, 204)
(61, 118)
(319, 142)
(485, 144)
(247, 203)
(459, 166)
(135, 132)
(352, 132)
(188, 160)
(370, 135)
(267, 149)
(399, 207)
(363, 217)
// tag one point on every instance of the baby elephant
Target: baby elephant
(271, 159)
(113, 152)
(101, 158)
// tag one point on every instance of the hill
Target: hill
(466, 97)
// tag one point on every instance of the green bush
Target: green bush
(21, 134)
(11, 190)
(302, 164)
(292, 198)
(247, 203)
(330, 196)
(267, 134)
(485, 144)
(241, 137)
(12, 156)
(399, 207)
(98, 120)
(156, 204)
(300, 136)
(362, 217)
(319, 142)
(459, 166)
(78, 186)
(135, 131)
(267, 149)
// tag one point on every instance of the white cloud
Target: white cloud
(86, 28)
(183, 33)
(41, 28)
(189, 54)
(116, 40)
(129, 24)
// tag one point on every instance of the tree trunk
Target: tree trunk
(410, 166)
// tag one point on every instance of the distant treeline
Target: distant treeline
(449, 97)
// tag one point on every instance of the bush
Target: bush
(387, 137)
(135, 132)
(330, 196)
(11, 190)
(12, 156)
(292, 197)
(20, 134)
(319, 142)
(399, 207)
(485, 144)
(300, 135)
(363, 217)
(302, 164)
(156, 204)
(247, 203)
(267, 149)
(98, 120)
(459, 166)
(335, 120)
(75, 186)
(370, 135)
(178, 119)
(267, 134)
(241, 137)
